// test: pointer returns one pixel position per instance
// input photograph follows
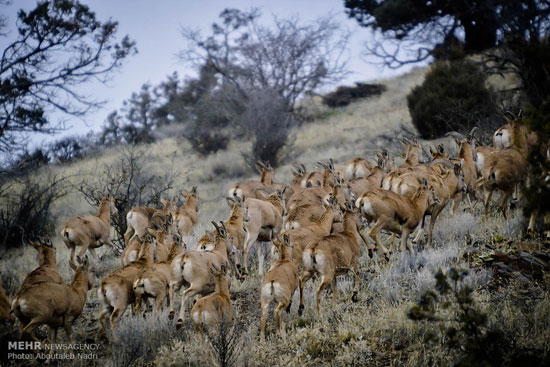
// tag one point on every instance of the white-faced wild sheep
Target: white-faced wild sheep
(54, 304)
(279, 283)
(91, 231)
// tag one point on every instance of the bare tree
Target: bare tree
(59, 46)
(290, 58)
(131, 182)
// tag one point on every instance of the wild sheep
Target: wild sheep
(91, 231)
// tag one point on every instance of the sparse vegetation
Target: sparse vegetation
(131, 183)
(374, 330)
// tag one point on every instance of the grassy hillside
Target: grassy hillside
(374, 331)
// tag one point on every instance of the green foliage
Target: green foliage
(462, 327)
(452, 97)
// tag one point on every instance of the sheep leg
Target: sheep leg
(456, 202)
(503, 203)
(159, 300)
(373, 233)
(103, 317)
(172, 288)
(108, 242)
(325, 281)
(421, 230)
(82, 251)
(405, 240)
(189, 292)
(303, 280)
(128, 234)
(369, 247)
(434, 216)
(117, 313)
(52, 334)
(29, 330)
(334, 292)
(68, 323)
(263, 320)
(260, 257)
(247, 244)
(488, 196)
(277, 313)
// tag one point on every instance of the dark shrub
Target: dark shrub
(25, 208)
(452, 97)
(343, 96)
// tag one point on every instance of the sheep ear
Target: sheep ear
(193, 190)
(224, 270)
(48, 243)
(286, 239)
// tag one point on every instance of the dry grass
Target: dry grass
(374, 331)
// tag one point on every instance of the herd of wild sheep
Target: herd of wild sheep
(315, 223)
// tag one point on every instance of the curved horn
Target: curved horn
(159, 214)
(215, 225)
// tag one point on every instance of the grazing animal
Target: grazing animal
(186, 216)
(332, 255)
(140, 218)
(116, 291)
(216, 308)
(395, 212)
(262, 222)
(91, 231)
(153, 281)
(53, 304)
(279, 284)
(191, 268)
(47, 267)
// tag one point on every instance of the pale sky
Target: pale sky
(155, 26)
